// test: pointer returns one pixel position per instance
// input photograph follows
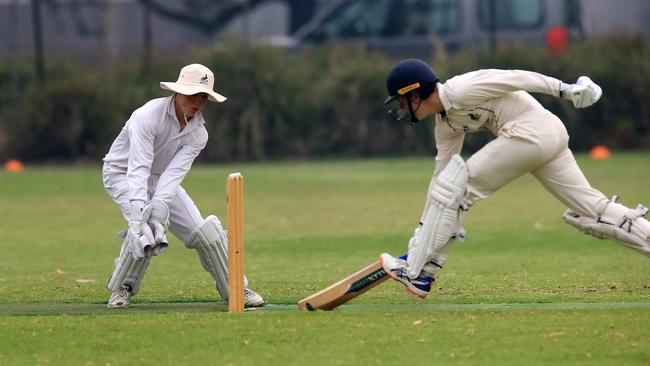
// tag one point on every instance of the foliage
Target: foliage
(321, 101)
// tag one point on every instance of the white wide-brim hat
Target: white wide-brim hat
(194, 79)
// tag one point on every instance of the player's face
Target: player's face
(190, 105)
(414, 99)
(405, 108)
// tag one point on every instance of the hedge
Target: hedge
(321, 101)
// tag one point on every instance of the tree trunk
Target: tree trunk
(38, 41)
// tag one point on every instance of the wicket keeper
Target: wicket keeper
(528, 139)
(142, 173)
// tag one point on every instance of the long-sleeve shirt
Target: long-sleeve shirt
(487, 100)
(151, 144)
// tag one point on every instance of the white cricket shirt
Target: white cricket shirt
(487, 100)
(151, 149)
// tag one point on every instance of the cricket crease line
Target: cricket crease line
(37, 309)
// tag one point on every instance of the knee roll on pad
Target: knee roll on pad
(440, 219)
(617, 222)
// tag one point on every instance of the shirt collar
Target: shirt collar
(170, 106)
(444, 98)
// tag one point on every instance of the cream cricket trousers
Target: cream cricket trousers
(184, 216)
(536, 143)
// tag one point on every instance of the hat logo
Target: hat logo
(204, 80)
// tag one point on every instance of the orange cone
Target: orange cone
(599, 152)
(14, 166)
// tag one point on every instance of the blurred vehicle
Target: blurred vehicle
(418, 27)
(110, 30)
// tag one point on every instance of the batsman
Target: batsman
(142, 173)
(528, 139)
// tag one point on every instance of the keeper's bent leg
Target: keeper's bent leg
(206, 236)
(129, 269)
(211, 244)
(130, 266)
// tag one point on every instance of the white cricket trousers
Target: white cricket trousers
(184, 216)
(538, 144)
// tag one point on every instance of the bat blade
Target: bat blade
(346, 289)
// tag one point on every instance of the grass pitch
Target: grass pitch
(524, 288)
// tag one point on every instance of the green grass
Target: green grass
(569, 298)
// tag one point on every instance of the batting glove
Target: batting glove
(583, 93)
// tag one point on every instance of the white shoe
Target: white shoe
(396, 268)
(252, 299)
(119, 299)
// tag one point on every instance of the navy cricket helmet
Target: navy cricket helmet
(405, 77)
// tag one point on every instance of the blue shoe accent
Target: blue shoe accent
(423, 283)
(420, 286)
(423, 280)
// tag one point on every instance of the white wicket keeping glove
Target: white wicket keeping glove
(159, 220)
(138, 215)
(583, 93)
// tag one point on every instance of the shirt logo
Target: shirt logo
(204, 80)
(474, 116)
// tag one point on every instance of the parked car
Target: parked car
(418, 27)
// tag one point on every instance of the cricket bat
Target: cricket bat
(346, 289)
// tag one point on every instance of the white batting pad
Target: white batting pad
(617, 222)
(211, 244)
(440, 217)
(129, 268)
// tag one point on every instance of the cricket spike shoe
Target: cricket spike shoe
(396, 268)
(119, 299)
(252, 299)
